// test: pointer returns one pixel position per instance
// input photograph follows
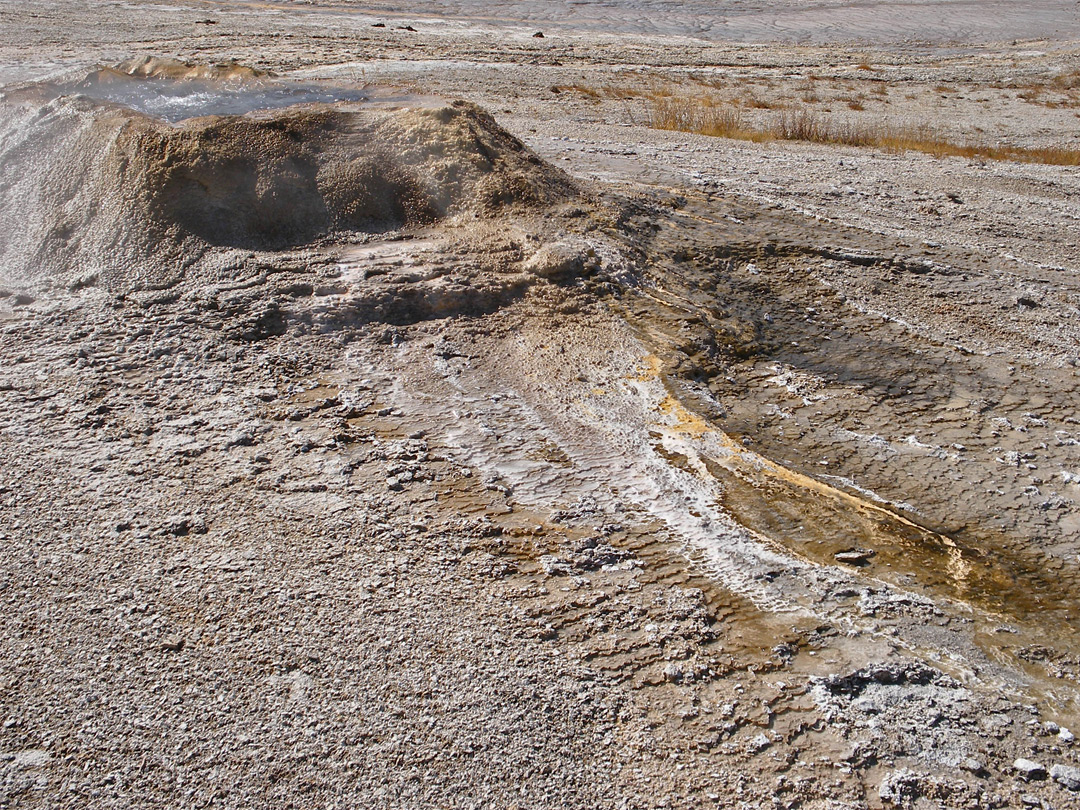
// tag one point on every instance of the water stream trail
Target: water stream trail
(835, 430)
(556, 410)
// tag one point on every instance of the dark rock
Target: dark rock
(855, 683)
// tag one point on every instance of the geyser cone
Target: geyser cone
(91, 187)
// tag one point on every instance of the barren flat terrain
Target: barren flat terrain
(539, 404)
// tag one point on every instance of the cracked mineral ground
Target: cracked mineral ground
(398, 408)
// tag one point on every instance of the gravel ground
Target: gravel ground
(718, 473)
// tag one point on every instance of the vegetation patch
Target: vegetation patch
(705, 116)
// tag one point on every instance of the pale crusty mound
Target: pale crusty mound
(93, 189)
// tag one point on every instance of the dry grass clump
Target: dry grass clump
(756, 103)
(1066, 81)
(634, 87)
(705, 116)
(610, 91)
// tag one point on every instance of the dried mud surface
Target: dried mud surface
(689, 473)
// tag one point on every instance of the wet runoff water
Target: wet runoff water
(176, 101)
(178, 98)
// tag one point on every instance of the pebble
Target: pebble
(1066, 775)
(759, 743)
(673, 673)
(854, 556)
(973, 765)
(172, 644)
(1029, 769)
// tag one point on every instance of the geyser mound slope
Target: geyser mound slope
(90, 189)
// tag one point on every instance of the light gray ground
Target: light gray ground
(538, 504)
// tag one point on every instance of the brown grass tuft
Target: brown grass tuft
(706, 116)
(703, 117)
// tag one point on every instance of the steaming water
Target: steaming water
(175, 101)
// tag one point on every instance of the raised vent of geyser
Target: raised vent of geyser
(136, 172)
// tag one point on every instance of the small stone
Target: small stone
(854, 556)
(1066, 736)
(31, 758)
(179, 526)
(240, 438)
(759, 743)
(172, 644)
(1066, 775)
(554, 566)
(673, 673)
(1029, 770)
(900, 787)
(972, 765)
(538, 35)
(557, 260)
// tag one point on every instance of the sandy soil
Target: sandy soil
(662, 471)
